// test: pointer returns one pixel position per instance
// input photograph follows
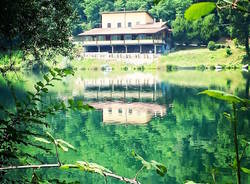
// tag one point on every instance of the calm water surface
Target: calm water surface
(158, 115)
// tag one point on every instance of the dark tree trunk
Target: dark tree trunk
(247, 36)
(247, 42)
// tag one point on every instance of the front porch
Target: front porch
(155, 49)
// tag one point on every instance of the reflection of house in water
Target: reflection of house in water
(129, 99)
(139, 87)
(129, 113)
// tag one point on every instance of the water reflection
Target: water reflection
(127, 99)
(191, 138)
(129, 113)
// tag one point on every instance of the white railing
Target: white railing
(121, 42)
(133, 58)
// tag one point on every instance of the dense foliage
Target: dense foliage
(41, 28)
(235, 14)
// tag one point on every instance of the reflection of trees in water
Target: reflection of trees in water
(191, 140)
(246, 75)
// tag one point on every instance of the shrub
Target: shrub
(236, 42)
(212, 67)
(228, 52)
(125, 68)
(140, 68)
(211, 45)
(217, 46)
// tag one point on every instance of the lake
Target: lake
(158, 115)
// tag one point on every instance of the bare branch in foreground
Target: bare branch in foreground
(112, 175)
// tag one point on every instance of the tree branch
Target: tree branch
(112, 175)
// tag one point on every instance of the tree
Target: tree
(209, 29)
(36, 27)
(179, 26)
(139, 4)
(93, 8)
(239, 24)
(236, 13)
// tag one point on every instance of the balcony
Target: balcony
(122, 42)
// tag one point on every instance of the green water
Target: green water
(158, 115)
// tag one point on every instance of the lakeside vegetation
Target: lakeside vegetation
(198, 58)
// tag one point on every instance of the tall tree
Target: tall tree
(239, 23)
(36, 26)
(236, 13)
(93, 8)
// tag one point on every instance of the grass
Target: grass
(204, 57)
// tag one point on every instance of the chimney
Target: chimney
(160, 20)
(154, 20)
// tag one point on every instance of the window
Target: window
(109, 25)
(116, 37)
(110, 110)
(129, 24)
(128, 37)
(119, 24)
(101, 38)
(120, 111)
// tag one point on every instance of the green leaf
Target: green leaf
(37, 88)
(228, 116)
(245, 141)
(87, 107)
(66, 144)
(79, 104)
(40, 84)
(57, 70)
(46, 78)
(31, 94)
(68, 71)
(234, 164)
(71, 102)
(42, 140)
(160, 168)
(52, 73)
(198, 10)
(45, 90)
(222, 96)
(245, 170)
(37, 99)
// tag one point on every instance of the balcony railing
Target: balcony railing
(122, 42)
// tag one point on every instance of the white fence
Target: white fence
(125, 57)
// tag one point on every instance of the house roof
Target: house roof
(132, 11)
(138, 29)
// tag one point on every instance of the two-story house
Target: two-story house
(127, 32)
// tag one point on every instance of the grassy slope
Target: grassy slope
(203, 56)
